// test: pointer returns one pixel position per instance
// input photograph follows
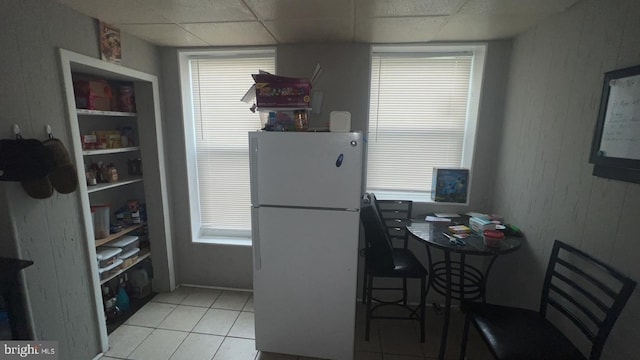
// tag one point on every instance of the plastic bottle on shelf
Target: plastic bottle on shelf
(122, 299)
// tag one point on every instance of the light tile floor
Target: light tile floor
(204, 324)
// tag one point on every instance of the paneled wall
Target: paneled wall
(544, 182)
(49, 231)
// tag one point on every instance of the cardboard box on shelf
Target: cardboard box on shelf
(93, 95)
(274, 91)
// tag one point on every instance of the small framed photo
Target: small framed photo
(110, 43)
(450, 185)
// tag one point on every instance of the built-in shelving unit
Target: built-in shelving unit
(145, 149)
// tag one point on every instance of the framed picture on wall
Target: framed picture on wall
(450, 185)
(615, 149)
(110, 43)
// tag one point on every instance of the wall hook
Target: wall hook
(16, 131)
(49, 132)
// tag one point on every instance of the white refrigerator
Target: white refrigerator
(305, 192)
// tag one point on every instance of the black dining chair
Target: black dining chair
(583, 293)
(395, 215)
(382, 260)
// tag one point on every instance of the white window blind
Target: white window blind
(417, 117)
(221, 123)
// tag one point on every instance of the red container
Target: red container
(492, 237)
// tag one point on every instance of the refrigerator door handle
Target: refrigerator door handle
(253, 168)
(255, 239)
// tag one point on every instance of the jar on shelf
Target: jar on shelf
(300, 120)
(126, 102)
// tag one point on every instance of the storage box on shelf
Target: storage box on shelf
(100, 94)
(274, 91)
(93, 94)
(125, 243)
(107, 256)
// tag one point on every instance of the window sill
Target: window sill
(421, 197)
(223, 240)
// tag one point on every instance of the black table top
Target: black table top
(431, 234)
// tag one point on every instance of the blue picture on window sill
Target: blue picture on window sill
(450, 185)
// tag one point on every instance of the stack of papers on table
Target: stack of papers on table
(441, 217)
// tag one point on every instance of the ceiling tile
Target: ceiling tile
(293, 10)
(189, 11)
(384, 8)
(229, 34)
(486, 27)
(311, 31)
(117, 11)
(163, 34)
(399, 29)
(529, 7)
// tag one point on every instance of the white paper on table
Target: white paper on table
(446, 215)
(436, 219)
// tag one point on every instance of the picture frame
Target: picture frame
(450, 185)
(110, 46)
(615, 148)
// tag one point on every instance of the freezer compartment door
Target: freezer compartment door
(307, 169)
(305, 288)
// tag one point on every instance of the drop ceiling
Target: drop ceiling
(269, 22)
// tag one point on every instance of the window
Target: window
(423, 110)
(216, 127)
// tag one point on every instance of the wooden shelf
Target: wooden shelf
(104, 113)
(110, 151)
(105, 186)
(115, 274)
(119, 234)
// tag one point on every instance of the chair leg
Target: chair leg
(423, 282)
(368, 321)
(364, 286)
(404, 291)
(465, 336)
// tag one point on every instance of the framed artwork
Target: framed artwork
(450, 185)
(110, 43)
(615, 149)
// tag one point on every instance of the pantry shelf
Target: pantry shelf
(110, 151)
(110, 185)
(117, 235)
(104, 113)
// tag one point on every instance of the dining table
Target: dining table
(452, 277)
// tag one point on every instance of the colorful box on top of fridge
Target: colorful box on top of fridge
(282, 92)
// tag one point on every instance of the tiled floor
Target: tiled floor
(194, 323)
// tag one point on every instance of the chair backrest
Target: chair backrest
(588, 292)
(379, 251)
(396, 215)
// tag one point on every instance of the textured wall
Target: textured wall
(544, 183)
(49, 231)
